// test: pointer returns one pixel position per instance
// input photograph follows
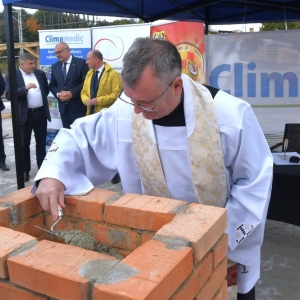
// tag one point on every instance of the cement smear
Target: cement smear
(83, 240)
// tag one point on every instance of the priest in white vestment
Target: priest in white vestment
(169, 136)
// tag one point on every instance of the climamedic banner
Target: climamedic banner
(262, 68)
(79, 41)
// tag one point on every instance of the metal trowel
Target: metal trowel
(52, 231)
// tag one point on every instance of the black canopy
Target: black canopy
(211, 12)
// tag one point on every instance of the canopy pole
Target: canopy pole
(13, 94)
(206, 28)
(244, 19)
(285, 23)
(206, 9)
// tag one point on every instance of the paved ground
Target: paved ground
(8, 181)
(280, 277)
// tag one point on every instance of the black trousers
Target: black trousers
(2, 151)
(36, 122)
(67, 118)
(249, 296)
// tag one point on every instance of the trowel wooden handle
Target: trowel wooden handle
(59, 211)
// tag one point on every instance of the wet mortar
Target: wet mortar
(85, 241)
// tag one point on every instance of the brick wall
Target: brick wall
(170, 249)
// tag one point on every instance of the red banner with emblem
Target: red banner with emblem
(190, 42)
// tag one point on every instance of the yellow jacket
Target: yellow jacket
(109, 88)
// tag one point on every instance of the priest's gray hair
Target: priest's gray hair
(161, 55)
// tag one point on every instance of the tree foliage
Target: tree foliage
(280, 26)
(41, 20)
(57, 20)
(32, 24)
(15, 25)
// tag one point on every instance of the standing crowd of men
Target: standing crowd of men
(81, 88)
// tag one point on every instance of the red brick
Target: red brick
(146, 237)
(220, 249)
(196, 280)
(82, 225)
(162, 268)
(124, 253)
(41, 234)
(134, 288)
(119, 237)
(222, 292)
(142, 212)
(214, 282)
(10, 291)
(199, 226)
(28, 226)
(4, 216)
(24, 203)
(53, 269)
(64, 224)
(12, 241)
(159, 268)
(89, 206)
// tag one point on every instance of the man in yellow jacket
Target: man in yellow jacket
(102, 84)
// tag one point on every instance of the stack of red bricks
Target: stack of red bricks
(172, 250)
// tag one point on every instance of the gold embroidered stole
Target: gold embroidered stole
(205, 152)
(147, 157)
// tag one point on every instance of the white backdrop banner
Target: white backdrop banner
(114, 41)
(263, 69)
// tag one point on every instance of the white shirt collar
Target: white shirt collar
(69, 60)
(100, 69)
(24, 73)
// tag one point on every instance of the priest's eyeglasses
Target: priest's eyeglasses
(147, 108)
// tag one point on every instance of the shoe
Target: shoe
(116, 179)
(26, 177)
(4, 167)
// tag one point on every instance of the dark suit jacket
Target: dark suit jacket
(22, 94)
(2, 89)
(74, 82)
(2, 107)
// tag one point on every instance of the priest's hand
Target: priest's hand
(50, 193)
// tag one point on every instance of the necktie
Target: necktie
(64, 71)
(95, 83)
(94, 89)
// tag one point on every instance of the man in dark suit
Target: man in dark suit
(3, 165)
(67, 77)
(33, 109)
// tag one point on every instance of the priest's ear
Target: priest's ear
(177, 84)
